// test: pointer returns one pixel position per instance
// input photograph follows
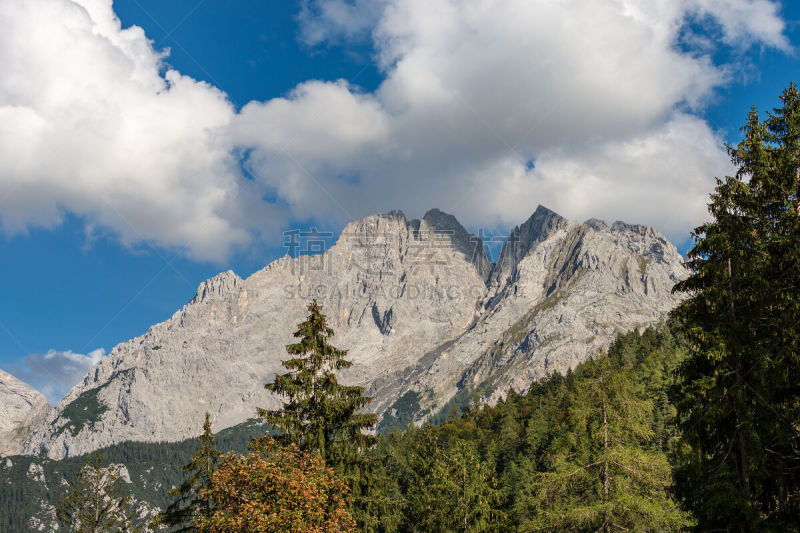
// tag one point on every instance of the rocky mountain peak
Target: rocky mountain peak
(408, 299)
(619, 225)
(596, 224)
(439, 219)
(369, 231)
(413, 238)
(468, 245)
(219, 286)
(541, 225)
(20, 406)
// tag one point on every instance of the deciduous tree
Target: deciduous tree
(276, 489)
(601, 473)
(450, 488)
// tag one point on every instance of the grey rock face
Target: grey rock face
(557, 303)
(20, 406)
(418, 305)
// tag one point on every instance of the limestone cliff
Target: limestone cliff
(21, 406)
(418, 305)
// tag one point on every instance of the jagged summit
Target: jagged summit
(218, 286)
(417, 304)
(469, 245)
(441, 219)
(596, 224)
(542, 211)
(423, 238)
(394, 213)
(20, 406)
(541, 225)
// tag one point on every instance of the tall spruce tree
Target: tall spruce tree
(320, 414)
(97, 502)
(738, 398)
(189, 505)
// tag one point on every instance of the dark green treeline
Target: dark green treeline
(588, 451)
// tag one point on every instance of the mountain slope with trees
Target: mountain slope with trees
(417, 305)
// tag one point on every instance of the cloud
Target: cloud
(54, 373)
(745, 22)
(486, 109)
(88, 125)
(337, 20)
(661, 177)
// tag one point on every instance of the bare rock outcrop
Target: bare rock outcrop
(418, 305)
(21, 406)
(556, 298)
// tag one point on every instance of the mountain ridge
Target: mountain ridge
(417, 303)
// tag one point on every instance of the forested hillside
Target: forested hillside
(576, 452)
(494, 468)
(30, 487)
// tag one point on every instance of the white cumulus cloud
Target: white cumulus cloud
(88, 125)
(490, 107)
(487, 108)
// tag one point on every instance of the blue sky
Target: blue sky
(481, 113)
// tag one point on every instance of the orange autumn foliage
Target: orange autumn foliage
(276, 488)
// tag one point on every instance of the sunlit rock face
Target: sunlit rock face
(418, 305)
(21, 406)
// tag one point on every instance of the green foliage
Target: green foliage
(320, 414)
(153, 468)
(96, 501)
(738, 399)
(376, 498)
(601, 473)
(189, 504)
(450, 488)
(510, 467)
(83, 410)
(460, 402)
(401, 413)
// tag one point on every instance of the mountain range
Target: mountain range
(429, 321)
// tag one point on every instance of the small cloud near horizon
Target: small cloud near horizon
(55, 372)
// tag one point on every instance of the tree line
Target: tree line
(690, 425)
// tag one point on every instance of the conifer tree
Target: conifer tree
(738, 399)
(189, 504)
(96, 501)
(319, 414)
(601, 473)
(451, 489)
(376, 498)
